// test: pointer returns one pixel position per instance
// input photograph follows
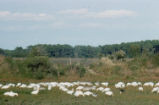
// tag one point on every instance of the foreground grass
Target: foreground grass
(56, 97)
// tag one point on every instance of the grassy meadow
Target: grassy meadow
(57, 97)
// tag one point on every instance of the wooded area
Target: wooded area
(131, 49)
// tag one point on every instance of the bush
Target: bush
(107, 61)
(37, 66)
(155, 60)
(139, 63)
(37, 63)
(120, 55)
(9, 60)
(81, 71)
(12, 64)
(59, 70)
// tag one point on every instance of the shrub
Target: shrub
(155, 60)
(139, 63)
(81, 70)
(59, 70)
(37, 66)
(36, 63)
(12, 64)
(9, 60)
(120, 55)
(107, 61)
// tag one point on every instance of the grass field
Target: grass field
(56, 97)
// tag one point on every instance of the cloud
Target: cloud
(114, 13)
(91, 25)
(84, 13)
(60, 25)
(4, 13)
(21, 28)
(75, 11)
(7, 15)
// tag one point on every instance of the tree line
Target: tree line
(131, 49)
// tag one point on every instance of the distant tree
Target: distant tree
(156, 48)
(37, 51)
(1, 51)
(19, 52)
(134, 50)
(59, 50)
(131, 49)
(85, 51)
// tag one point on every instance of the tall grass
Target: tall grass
(143, 68)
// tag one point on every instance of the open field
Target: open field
(56, 96)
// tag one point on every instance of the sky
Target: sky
(77, 22)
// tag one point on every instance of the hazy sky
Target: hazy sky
(84, 22)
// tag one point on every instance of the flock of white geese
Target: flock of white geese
(78, 88)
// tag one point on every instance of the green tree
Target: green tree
(37, 51)
(1, 51)
(19, 52)
(134, 50)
